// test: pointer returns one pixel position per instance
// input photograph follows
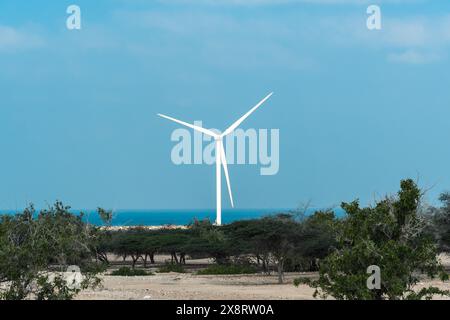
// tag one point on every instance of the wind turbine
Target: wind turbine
(220, 154)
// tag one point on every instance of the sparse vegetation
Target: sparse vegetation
(171, 267)
(217, 269)
(397, 234)
(129, 272)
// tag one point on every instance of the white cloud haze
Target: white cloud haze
(12, 39)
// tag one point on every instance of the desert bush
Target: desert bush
(36, 248)
(391, 235)
(129, 272)
(171, 267)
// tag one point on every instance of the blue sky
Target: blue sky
(357, 110)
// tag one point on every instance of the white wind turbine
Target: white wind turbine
(220, 154)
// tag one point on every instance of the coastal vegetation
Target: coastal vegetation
(280, 242)
(399, 234)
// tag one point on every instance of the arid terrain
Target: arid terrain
(190, 286)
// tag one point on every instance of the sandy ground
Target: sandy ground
(189, 286)
(173, 286)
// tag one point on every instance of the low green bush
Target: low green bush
(128, 272)
(170, 267)
(228, 269)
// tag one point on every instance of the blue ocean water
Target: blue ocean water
(177, 217)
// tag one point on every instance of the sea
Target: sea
(178, 217)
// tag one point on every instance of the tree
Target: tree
(390, 235)
(173, 242)
(139, 243)
(102, 237)
(36, 247)
(129, 243)
(207, 240)
(276, 238)
(318, 237)
(441, 223)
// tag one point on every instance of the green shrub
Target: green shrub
(128, 272)
(33, 243)
(170, 267)
(228, 269)
(392, 235)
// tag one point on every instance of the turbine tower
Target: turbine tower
(221, 160)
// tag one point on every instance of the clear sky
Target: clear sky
(357, 110)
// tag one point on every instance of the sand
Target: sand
(189, 286)
(173, 286)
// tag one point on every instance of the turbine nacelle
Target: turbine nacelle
(221, 160)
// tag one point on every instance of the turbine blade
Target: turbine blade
(245, 116)
(200, 129)
(225, 168)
